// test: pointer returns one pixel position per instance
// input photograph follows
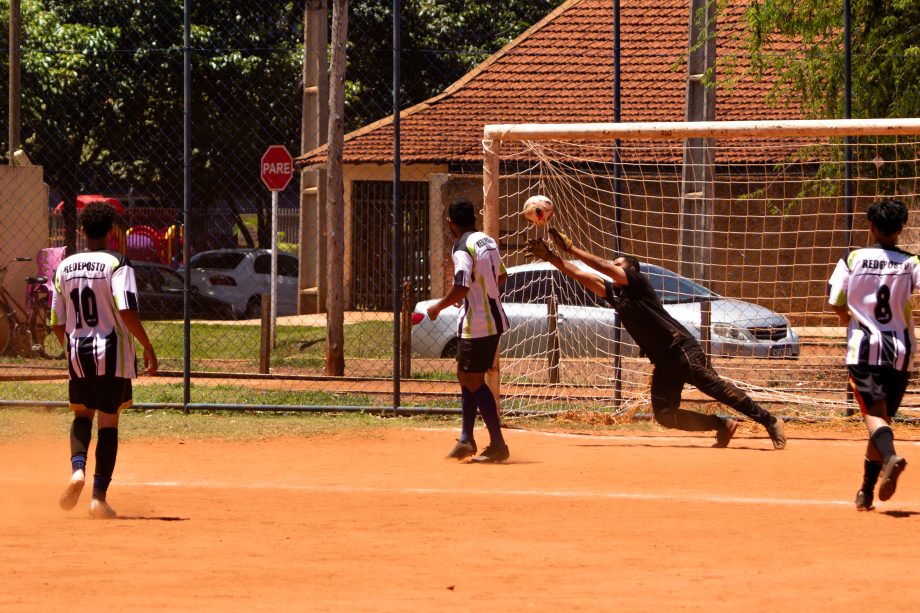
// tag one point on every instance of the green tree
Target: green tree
(885, 62)
(441, 41)
(103, 88)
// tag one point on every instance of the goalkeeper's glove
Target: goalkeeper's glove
(561, 240)
(537, 248)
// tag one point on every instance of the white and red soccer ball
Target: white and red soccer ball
(538, 210)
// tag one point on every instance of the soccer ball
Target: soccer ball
(538, 210)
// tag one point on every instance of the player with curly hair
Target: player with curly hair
(870, 290)
(94, 314)
(675, 354)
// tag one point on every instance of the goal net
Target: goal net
(738, 226)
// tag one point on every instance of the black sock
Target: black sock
(883, 439)
(81, 433)
(106, 452)
(489, 411)
(468, 410)
(871, 471)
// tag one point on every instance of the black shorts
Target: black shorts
(872, 383)
(106, 393)
(476, 354)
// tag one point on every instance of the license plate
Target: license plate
(779, 351)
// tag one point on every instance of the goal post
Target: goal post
(744, 267)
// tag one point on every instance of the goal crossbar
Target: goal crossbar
(702, 129)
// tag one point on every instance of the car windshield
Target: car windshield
(673, 288)
(171, 280)
(218, 261)
(538, 285)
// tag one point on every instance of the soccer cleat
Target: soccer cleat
(492, 454)
(864, 501)
(890, 473)
(725, 433)
(461, 451)
(777, 433)
(100, 509)
(72, 494)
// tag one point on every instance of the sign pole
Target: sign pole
(276, 169)
(274, 290)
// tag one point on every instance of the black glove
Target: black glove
(537, 248)
(561, 240)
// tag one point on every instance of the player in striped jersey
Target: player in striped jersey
(870, 291)
(478, 274)
(94, 315)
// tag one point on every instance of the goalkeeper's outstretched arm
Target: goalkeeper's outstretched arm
(590, 280)
(537, 248)
(616, 273)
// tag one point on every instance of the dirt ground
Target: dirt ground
(380, 522)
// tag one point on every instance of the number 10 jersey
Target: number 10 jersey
(876, 284)
(90, 288)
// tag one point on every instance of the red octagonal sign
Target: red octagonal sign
(276, 167)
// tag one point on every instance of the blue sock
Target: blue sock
(489, 411)
(468, 410)
(78, 462)
(100, 486)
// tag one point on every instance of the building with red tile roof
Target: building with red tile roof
(559, 70)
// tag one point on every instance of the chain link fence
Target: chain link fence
(102, 116)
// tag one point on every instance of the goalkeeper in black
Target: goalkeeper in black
(675, 354)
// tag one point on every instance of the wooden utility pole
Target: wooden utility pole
(15, 97)
(697, 181)
(335, 205)
(313, 129)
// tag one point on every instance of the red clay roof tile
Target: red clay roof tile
(561, 70)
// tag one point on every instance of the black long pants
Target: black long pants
(686, 364)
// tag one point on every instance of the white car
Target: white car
(238, 277)
(586, 325)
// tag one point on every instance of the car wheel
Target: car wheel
(253, 309)
(450, 349)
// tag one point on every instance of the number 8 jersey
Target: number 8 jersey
(876, 284)
(90, 288)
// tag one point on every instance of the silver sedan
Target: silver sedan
(586, 325)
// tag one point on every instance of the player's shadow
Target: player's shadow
(152, 518)
(900, 514)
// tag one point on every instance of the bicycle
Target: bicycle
(32, 328)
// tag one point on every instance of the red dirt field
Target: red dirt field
(378, 521)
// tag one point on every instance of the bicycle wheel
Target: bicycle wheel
(44, 342)
(6, 329)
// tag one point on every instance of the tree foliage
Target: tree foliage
(801, 41)
(102, 107)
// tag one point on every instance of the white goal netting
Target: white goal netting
(737, 226)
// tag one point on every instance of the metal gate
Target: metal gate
(372, 248)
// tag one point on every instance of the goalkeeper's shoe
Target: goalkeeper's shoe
(492, 454)
(725, 432)
(777, 433)
(890, 473)
(100, 509)
(461, 451)
(864, 501)
(72, 494)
